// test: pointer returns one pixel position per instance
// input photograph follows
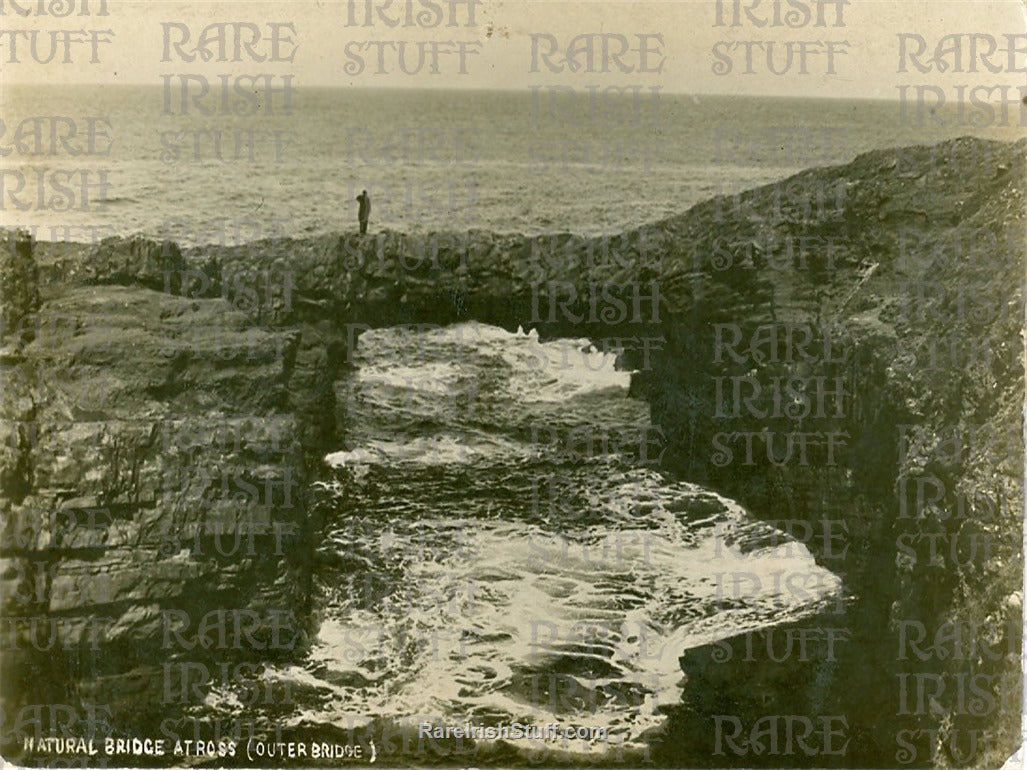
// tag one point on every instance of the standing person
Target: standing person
(364, 212)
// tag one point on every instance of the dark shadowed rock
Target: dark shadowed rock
(897, 254)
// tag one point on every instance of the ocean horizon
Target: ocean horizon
(289, 163)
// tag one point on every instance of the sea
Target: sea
(505, 549)
(472, 568)
(506, 161)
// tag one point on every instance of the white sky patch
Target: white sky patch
(497, 49)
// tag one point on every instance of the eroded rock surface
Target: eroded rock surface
(163, 396)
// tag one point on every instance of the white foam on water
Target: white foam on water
(607, 609)
(577, 614)
(459, 377)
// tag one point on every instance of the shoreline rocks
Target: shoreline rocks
(840, 350)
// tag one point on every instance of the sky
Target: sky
(677, 46)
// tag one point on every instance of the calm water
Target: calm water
(504, 161)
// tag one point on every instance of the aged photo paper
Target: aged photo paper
(512, 383)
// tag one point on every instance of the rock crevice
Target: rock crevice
(841, 350)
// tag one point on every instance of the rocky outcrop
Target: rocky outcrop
(840, 351)
(154, 476)
(19, 282)
(915, 319)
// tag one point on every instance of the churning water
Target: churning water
(502, 546)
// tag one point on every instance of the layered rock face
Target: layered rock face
(155, 488)
(870, 401)
(840, 351)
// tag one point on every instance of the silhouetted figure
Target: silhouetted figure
(364, 212)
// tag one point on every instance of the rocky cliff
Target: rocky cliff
(894, 362)
(841, 351)
(154, 492)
